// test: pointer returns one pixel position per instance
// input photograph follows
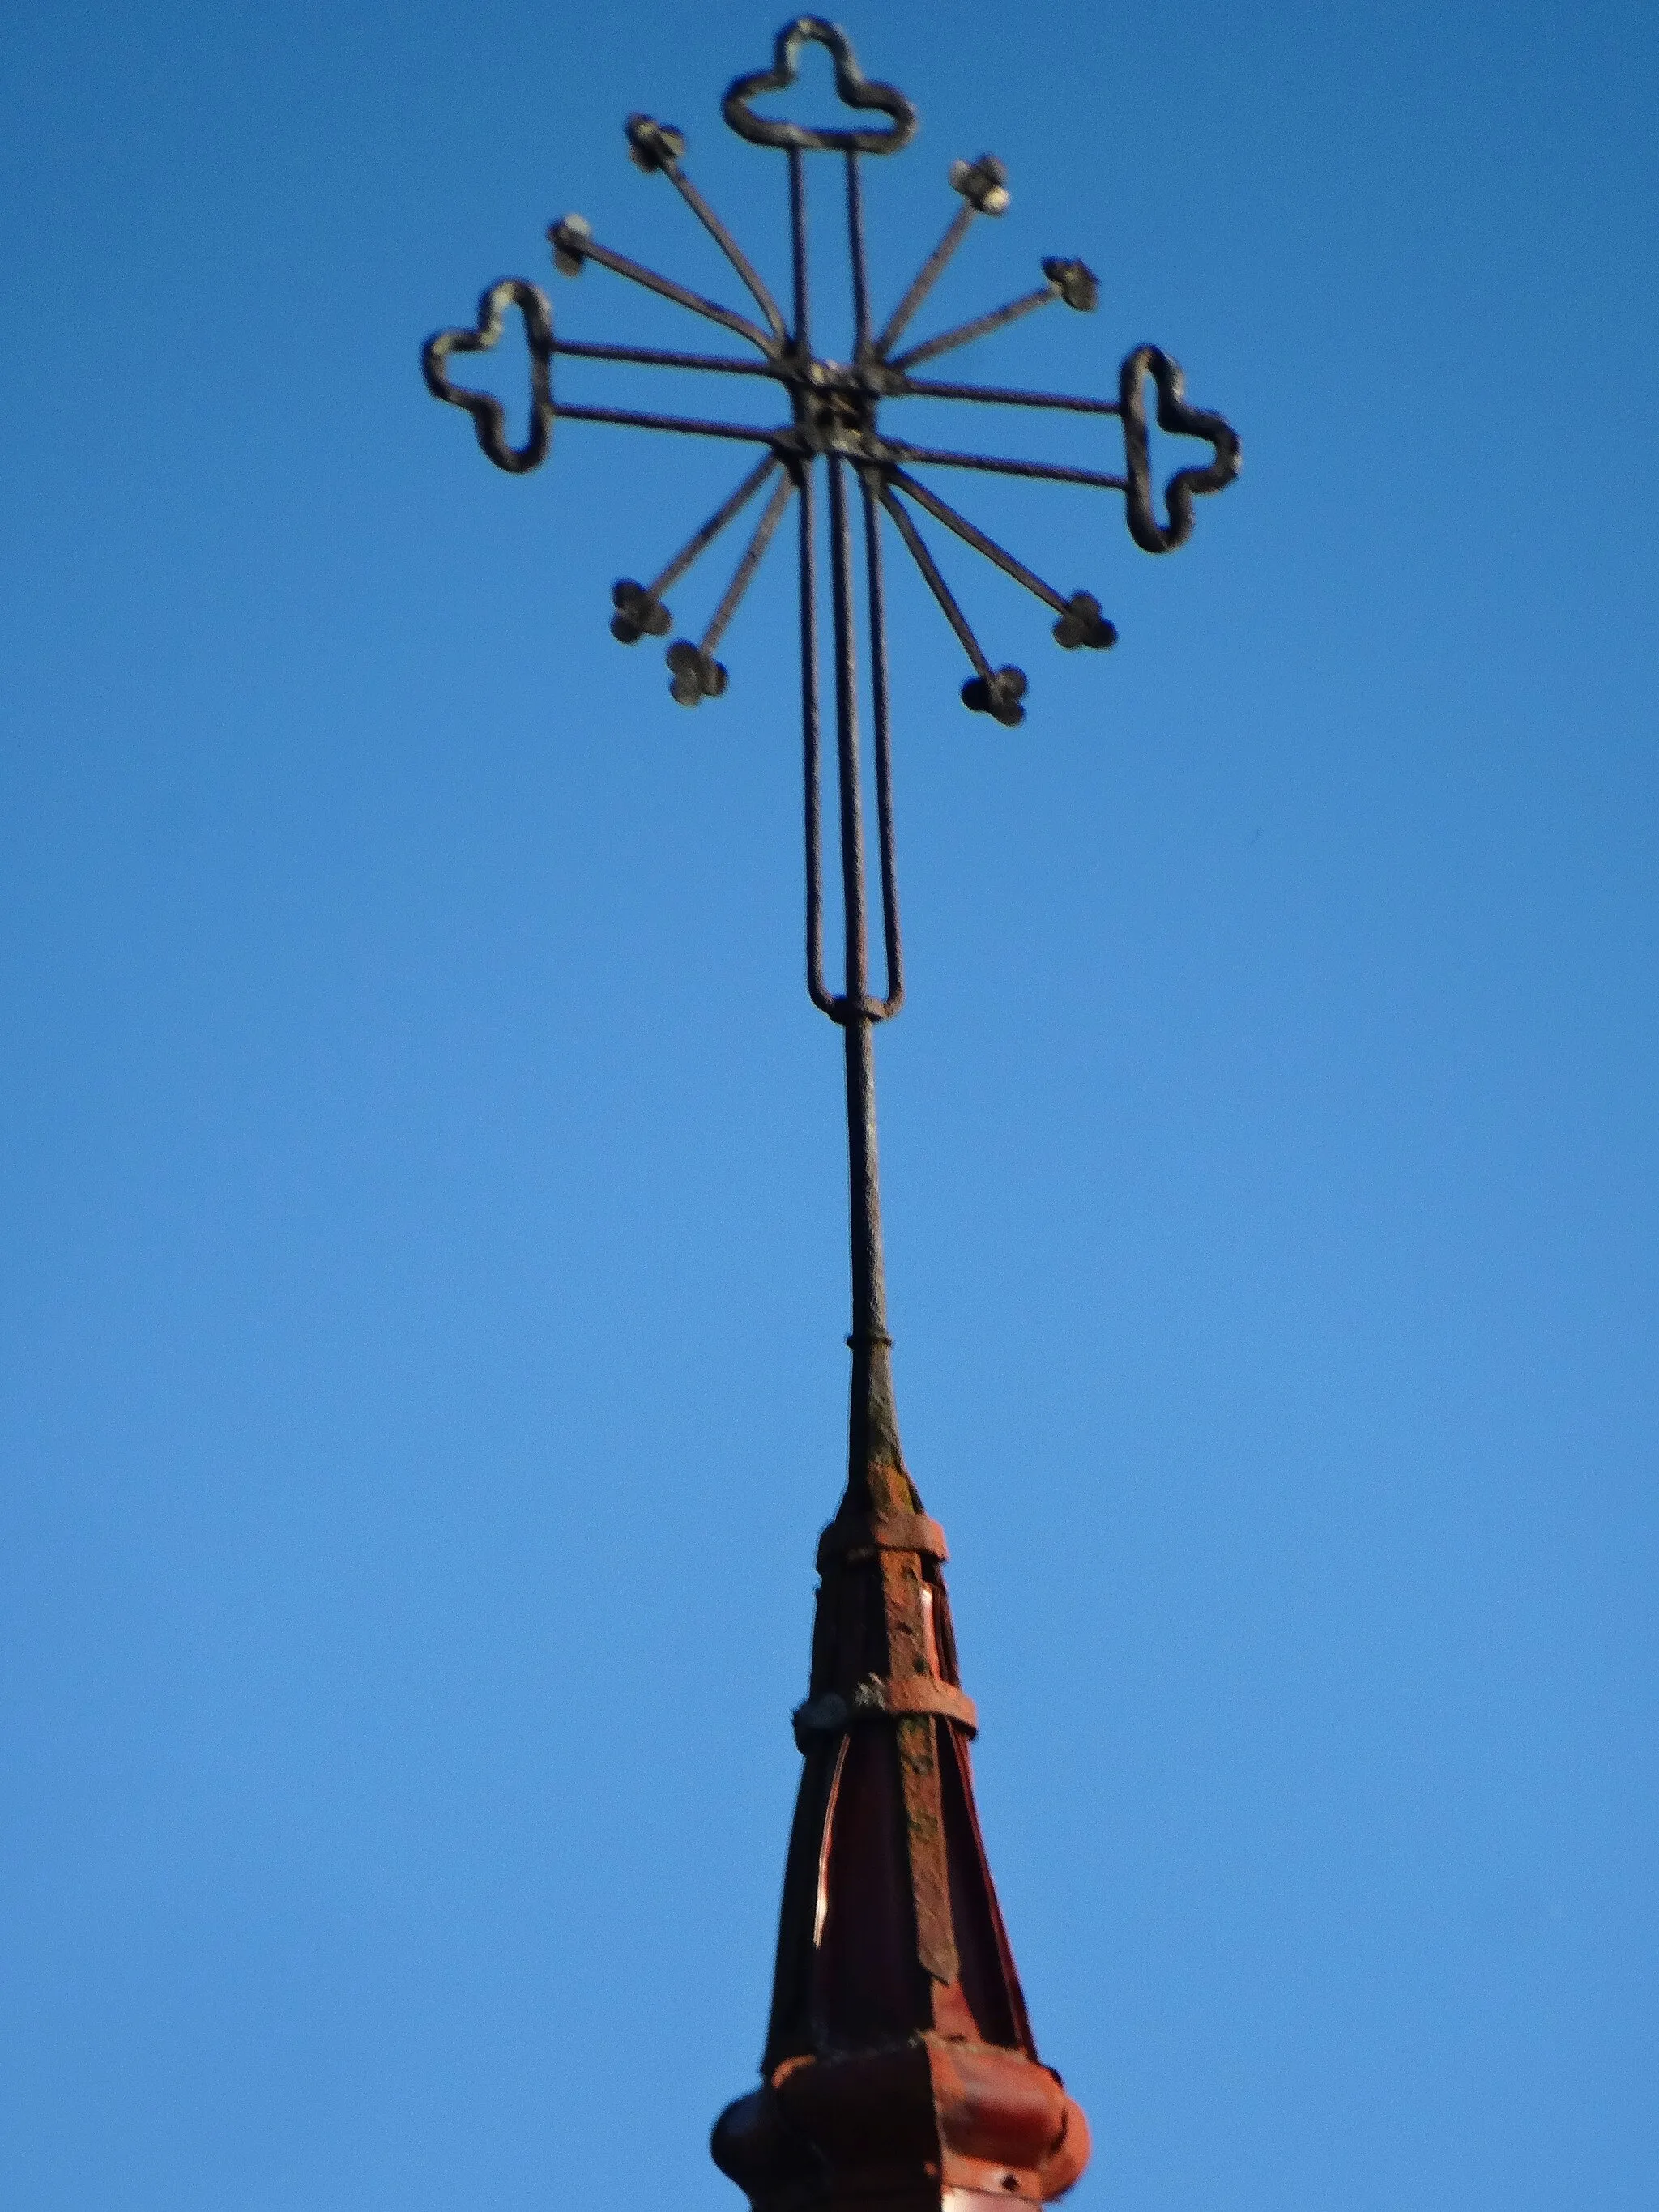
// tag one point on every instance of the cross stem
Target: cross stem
(872, 1432)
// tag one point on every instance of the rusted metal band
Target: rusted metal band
(919, 1693)
(882, 1532)
(917, 1740)
(878, 1700)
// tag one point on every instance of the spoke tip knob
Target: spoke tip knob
(570, 236)
(998, 694)
(983, 184)
(1075, 281)
(1083, 624)
(639, 613)
(697, 674)
(652, 145)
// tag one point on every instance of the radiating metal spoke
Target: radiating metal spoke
(729, 247)
(936, 584)
(970, 536)
(1044, 472)
(702, 539)
(656, 357)
(771, 515)
(926, 277)
(981, 327)
(583, 246)
(631, 419)
(924, 388)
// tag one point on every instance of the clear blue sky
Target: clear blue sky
(424, 1275)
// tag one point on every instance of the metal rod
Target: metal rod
(855, 255)
(936, 584)
(925, 388)
(982, 327)
(629, 419)
(656, 357)
(846, 741)
(943, 511)
(755, 553)
(892, 942)
(712, 529)
(729, 247)
(802, 332)
(873, 1425)
(811, 769)
(591, 250)
(1044, 472)
(926, 276)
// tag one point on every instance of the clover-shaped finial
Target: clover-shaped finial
(1083, 624)
(489, 416)
(854, 88)
(998, 694)
(696, 674)
(1174, 415)
(639, 613)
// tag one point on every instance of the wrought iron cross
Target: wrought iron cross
(899, 2064)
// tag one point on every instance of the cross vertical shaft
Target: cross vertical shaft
(872, 1436)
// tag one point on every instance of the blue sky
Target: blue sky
(424, 1272)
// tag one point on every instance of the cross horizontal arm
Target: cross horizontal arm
(924, 388)
(970, 536)
(657, 357)
(1044, 472)
(631, 419)
(981, 327)
(574, 244)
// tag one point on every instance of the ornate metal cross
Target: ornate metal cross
(900, 2067)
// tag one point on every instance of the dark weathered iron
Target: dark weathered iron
(899, 2068)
